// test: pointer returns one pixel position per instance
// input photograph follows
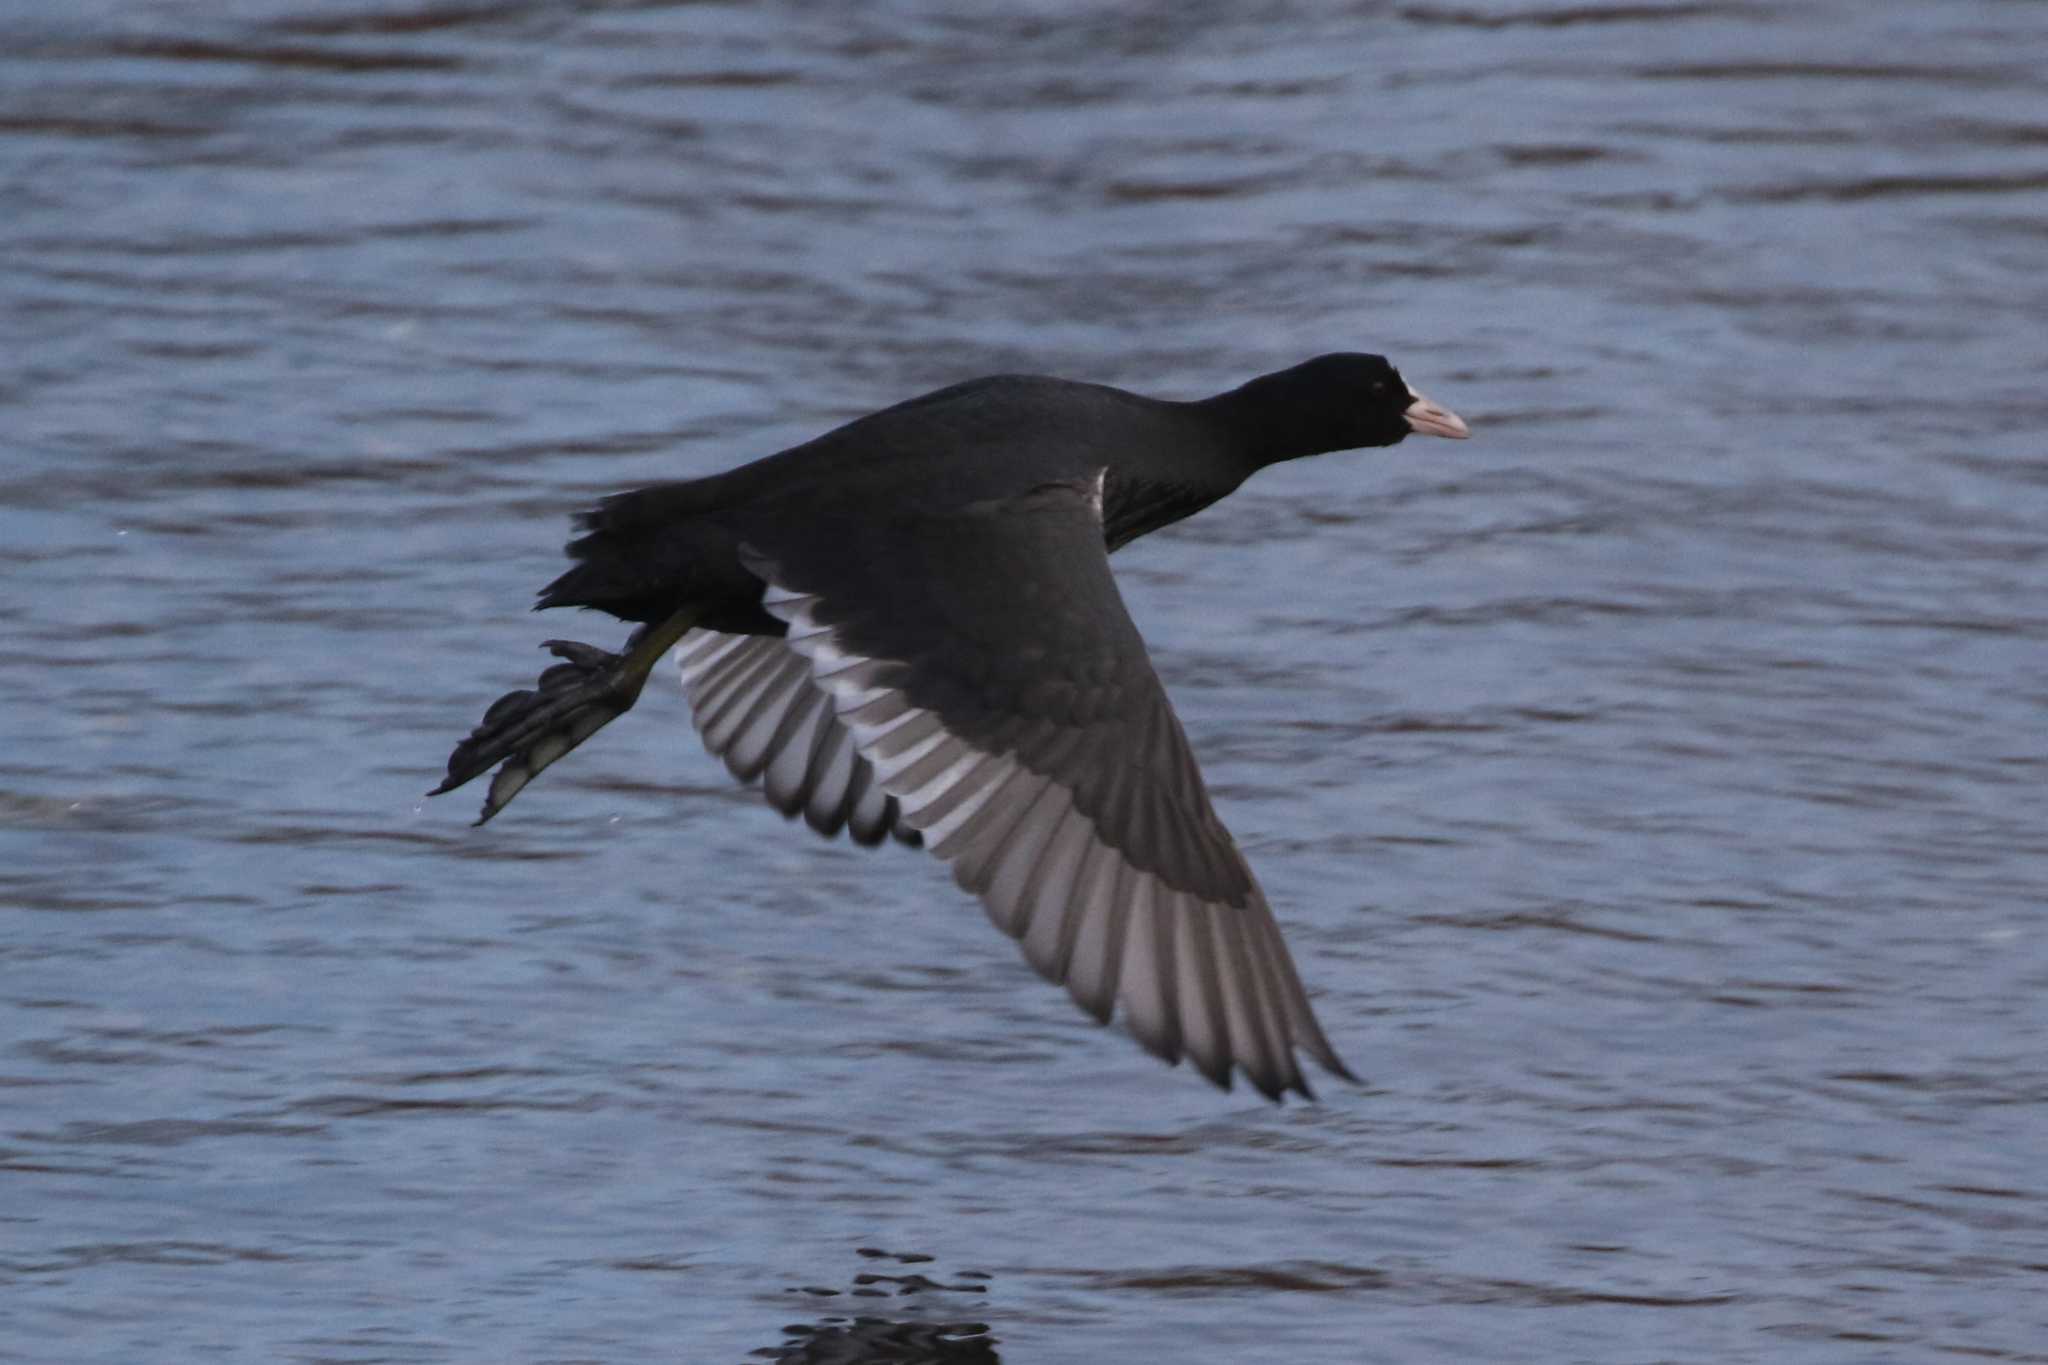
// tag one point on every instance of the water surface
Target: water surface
(1651, 787)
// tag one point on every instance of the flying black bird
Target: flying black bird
(908, 627)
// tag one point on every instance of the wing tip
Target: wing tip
(1220, 1072)
(1275, 1089)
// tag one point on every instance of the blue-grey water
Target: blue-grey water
(1652, 787)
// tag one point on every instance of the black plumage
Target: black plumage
(908, 627)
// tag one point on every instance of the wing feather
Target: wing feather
(1018, 728)
(759, 712)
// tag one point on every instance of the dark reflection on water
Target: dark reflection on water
(1650, 786)
(901, 1319)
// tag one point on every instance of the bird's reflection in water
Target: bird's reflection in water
(901, 1318)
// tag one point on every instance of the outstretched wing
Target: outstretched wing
(758, 711)
(982, 664)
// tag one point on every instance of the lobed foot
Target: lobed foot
(529, 729)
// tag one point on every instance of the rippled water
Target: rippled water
(1651, 787)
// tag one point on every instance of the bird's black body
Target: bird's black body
(648, 550)
(908, 626)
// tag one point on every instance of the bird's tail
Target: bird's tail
(630, 560)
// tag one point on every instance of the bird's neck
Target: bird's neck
(1265, 422)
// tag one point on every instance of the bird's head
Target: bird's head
(1343, 401)
(1365, 401)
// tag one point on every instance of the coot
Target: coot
(908, 627)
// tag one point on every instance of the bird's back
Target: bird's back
(995, 437)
